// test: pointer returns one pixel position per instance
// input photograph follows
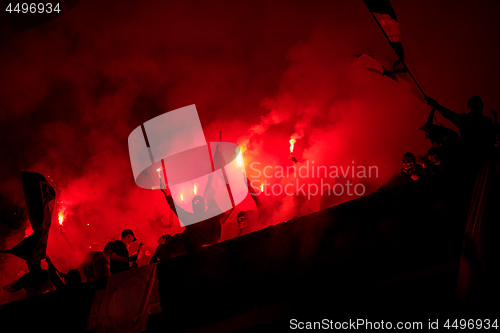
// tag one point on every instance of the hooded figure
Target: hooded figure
(410, 172)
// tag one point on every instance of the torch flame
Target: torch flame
(262, 187)
(159, 169)
(159, 174)
(61, 219)
(182, 198)
(239, 159)
(292, 141)
(194, 190)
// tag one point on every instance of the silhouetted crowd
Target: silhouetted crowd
(450, 153)
(115, 257)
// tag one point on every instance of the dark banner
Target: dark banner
(40, 198)
(386, 18)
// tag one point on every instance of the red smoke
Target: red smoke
(74, 88)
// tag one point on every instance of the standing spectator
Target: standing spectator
(119, 257)
(447, 140)
(96, 263)
(476, 131)
(162, 240)
(203, 226)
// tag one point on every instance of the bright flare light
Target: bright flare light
(239, 159)
(182, 198)
(61, 219)
(159, 174)
(292, 141)
(194, 190)
(262, 187)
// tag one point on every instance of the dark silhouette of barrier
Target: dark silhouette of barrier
(391, 255)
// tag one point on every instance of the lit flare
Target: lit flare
(239, 159)
(292, 142)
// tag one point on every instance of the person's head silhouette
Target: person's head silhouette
(475, 105)
(198, 205)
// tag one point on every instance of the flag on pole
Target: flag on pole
(386, 18)
(399, 73)
(384, 15)
(370, 63)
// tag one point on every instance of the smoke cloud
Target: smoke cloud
(260, 73)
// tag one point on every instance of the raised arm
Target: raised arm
(170, 200)
(448, 114)
(168, 196)
(179, 211)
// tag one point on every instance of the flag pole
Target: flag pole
(225, 178)
(414, 80)
(402, 60)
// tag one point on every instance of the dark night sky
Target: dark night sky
(73, 89)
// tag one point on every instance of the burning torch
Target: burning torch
(292, 142)
(159, 176)
(239, 158)
(61, 220)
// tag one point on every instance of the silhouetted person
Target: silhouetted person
(444, 138)
(71, 280)
(173, 247)
(410, 172)
(119, 258)
(203, 226)
(248, 221)
(162, 240)
(96, 263)
(35, 282)
(477, 132)
(433, 161)
(242, 219)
